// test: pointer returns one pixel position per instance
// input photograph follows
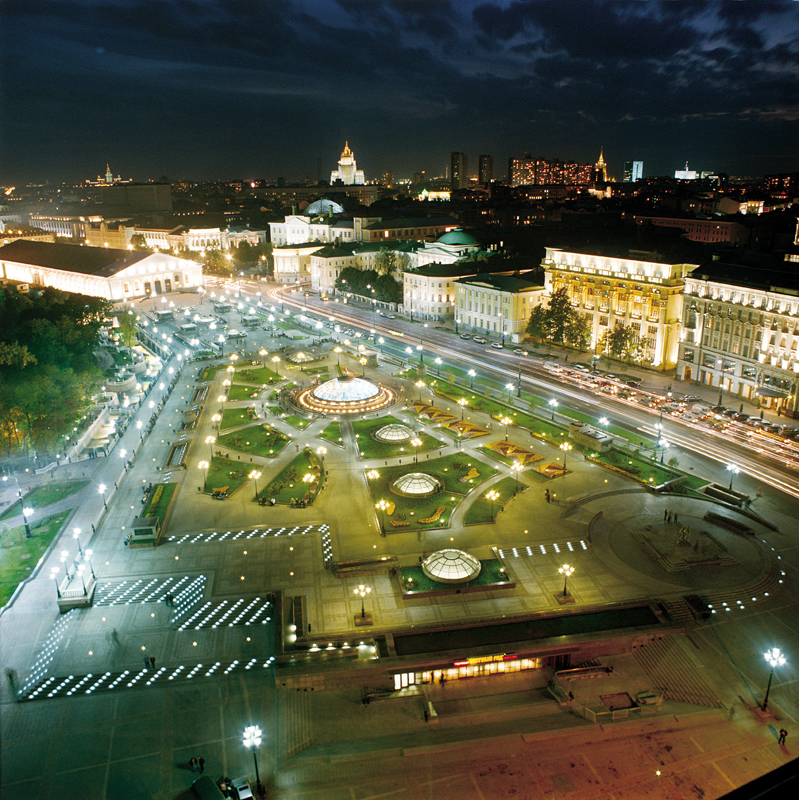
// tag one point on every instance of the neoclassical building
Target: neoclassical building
(497, 303)
(632, 289)
(98, 271)
(740, 332)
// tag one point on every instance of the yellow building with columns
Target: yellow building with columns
(638, 289)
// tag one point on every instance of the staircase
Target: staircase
(673, 673)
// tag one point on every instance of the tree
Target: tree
(578, 331)
(127, 330)
(561, 314)
(538, 324)
(619, 341)
(138, 242)
(386, 261)
(13, 353)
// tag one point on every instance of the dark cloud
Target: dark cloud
(252, 88)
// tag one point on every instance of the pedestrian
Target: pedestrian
(146, 662)
(783, 734)
(665, 515)
(202, 764)
(152, 661)
(675, 517)
(668, 516)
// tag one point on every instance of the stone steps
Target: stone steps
(673, 673)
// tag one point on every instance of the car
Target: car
(479, 340)
(610, 377)
(519, 352)
(740, 417)
(465, 336)
(390, 316)
(580, 368)
(634, 384)
(242, 788)
(497, 346)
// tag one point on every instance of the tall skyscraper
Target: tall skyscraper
(486, 170)
(633, 171)
(347, 172)
(601, 167)
(459, 171)
(528, 171)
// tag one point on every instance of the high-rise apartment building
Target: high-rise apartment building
(633, 171)
(486, 169)
(459, 171)
(527, 171)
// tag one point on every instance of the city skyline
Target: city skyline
(214, 89)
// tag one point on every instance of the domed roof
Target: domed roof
(451, 566)
(324, 206)
(345, 390)
(457, 236)
(394, 433)
(416, 484)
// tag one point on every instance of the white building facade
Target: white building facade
(740, 332)
(98, 272)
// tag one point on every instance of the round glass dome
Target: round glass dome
(345, 390)
(416, 484)
(394, 433)
(451, 566)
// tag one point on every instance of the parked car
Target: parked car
(479, 340)
(465, 336)
(580, 368)
(519, 352)
(242, 788)
(497, 346)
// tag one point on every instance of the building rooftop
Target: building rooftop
(523, 282)
(766, 277)
(100, 261)
(416, 222)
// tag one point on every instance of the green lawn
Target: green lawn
(43, 496)
(233, 417)
(19, 555)
(412, 510)
(258, 440)
(260, 375)
(289, 485)
(224, 472)
(480, 510)
(332, 434)
(369, 447)
(492, 573)
(238, 391)
(159, 500)
(637, 467)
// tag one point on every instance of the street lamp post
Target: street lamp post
(519, 380)
(553, 404)
(101, 490)
(417, 443)
(76, 537)
(252, 739)
(438, 363)
(506, 421)
(24, 510)
(566, 570)
(775, 659)
(27, 512)
(462, 403)
(471, 375)
(421, 344)
(493, 497)
(665, 445)
(254, 475)
(565, 447)
(420, 384)
(203, 465)
(509, 388)
(362, 591)
(383, 506)
(733, 470)
(516, 467)
(276, 362)
(209, 440)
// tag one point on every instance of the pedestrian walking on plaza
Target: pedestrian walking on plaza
(194, 765)
(546, 495)
(668, 516)
(665, 515)
(783, 734)
(146, 662)
(152, 661)
(675, 517)
(201, 762)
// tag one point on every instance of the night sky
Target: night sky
(199, 89)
